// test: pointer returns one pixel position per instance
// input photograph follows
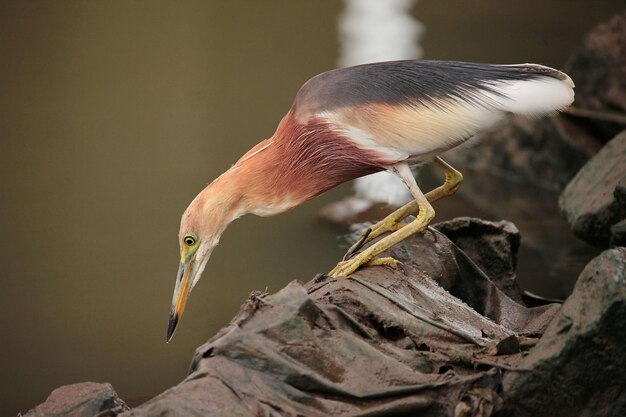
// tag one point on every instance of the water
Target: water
(113, 115)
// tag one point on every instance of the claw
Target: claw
(341, 270)
(358, 244)
(432, 231)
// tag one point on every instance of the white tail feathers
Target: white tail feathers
(537, 97)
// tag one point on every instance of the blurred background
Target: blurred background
(114, 115)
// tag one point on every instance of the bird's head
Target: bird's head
(201, 226)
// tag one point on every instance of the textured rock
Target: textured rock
(547, 152)
(87, 399)
(599, 69)
(618, 234)
(595, 199)
(382, 342)
(577, 368)
(491, 245)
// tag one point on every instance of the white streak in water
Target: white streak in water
(373, 31)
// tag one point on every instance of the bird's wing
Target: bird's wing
(406, 108)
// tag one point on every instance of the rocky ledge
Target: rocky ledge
(594, 202)
(446, 334)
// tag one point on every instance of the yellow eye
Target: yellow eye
(189, 240)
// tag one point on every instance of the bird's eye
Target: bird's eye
(189, 240)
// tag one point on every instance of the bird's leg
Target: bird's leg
(388, 224)
(453, 180)
(425, 214)
(391, 223)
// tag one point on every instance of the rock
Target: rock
(598, 68)
(492, 246)
(577, 368)
(547, 152)
(618, 234)
(620, 191)
(594, 200)
(86, 399)
(382, 342)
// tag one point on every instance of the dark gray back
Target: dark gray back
(408, 82)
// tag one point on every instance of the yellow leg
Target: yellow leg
(453, 180)
(391, 223)
(345, 268)
(424, 216)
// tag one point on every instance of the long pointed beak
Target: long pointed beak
(181, 292)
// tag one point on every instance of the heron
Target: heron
(355, 121)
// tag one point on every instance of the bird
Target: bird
(350, 122)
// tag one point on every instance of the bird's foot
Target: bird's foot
(372, 232)
(345, 268)
(384, 261)
(362, 240)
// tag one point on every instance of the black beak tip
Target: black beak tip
(171, 326)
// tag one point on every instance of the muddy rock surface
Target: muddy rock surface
(577, 368)
(492, 246)
(80, 400)
(618, 234)
(598, 68)
(431, 337)
(547, 152)
(595, 200)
